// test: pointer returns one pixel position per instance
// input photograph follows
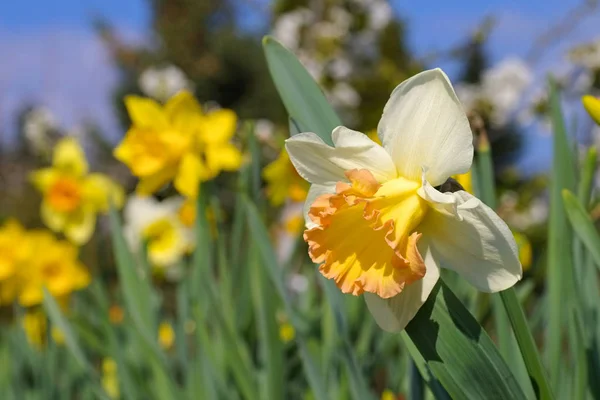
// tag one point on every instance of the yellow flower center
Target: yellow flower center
(365, 237)
(64, 195)
(51, 270)
(163, 241)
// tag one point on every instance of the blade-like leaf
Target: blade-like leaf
(302, 97)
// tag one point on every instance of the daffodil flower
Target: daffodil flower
(283, 182)
(159, 225)
(72, 197)
(54, 266)
(377, 225)
(177, 142)
(592, 106)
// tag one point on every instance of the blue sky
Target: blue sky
(50, 54)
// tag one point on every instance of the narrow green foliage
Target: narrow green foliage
(302, 97)
(559, 241)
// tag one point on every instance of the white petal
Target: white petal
(423, 124)
(441, 202)
(320, 163)
(394, 314)
(314, 192)
(480, 247)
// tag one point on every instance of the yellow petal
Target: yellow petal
(152, 183)
(191, 172)
(592, 105)
(184, 112)
(80, 225)
(145, 152)
(223, 157)
(218, 126)
(52, 219)
(146, 113)
(44, 178)
(69, 157)
(100, 191)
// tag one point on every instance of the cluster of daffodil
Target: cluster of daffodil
(31, 260)
(178, 143)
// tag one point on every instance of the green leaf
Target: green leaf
(261, 238)
(458, 350)
(523, 357)
(56, 317)
(559, 272)
(302, 97)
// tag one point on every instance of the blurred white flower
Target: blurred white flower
(344, 95)
(468, 94)
(340, 68)
(586, 55)
(504, 85)
(297, 283)
(535, 214)
(379, 14)
(287, 234)
(287, 26)
(38, 127)
(158, 224)
(264, 129)
(163, 83)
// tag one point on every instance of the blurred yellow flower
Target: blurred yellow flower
(177, 142)
(283, 182)
(592, 105)
(466, 181)
(57, 335)
(166, 335)
(54, 265)
(158, 225)
(72, 197)
(110, 378)
(34, 324)
(388, 395)
(525, 252)
(287, 333)
(14, 250)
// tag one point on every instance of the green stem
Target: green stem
(527, 345)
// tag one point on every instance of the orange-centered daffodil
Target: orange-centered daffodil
(72, 197)
(375, 222)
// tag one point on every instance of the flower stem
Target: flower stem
(527, 345)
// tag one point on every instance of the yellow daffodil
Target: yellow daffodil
(525, 251)
(375, 222)
(389, 395)
(166, 335)
(158, 225)
(54, 266)
(14, 250)
(592, 106)
(110, 378)
(177, 142)
(287, 333)
(34, 324)
(72, 197)
(283, 182)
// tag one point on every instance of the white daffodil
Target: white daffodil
(159, 225)
(375, 222)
